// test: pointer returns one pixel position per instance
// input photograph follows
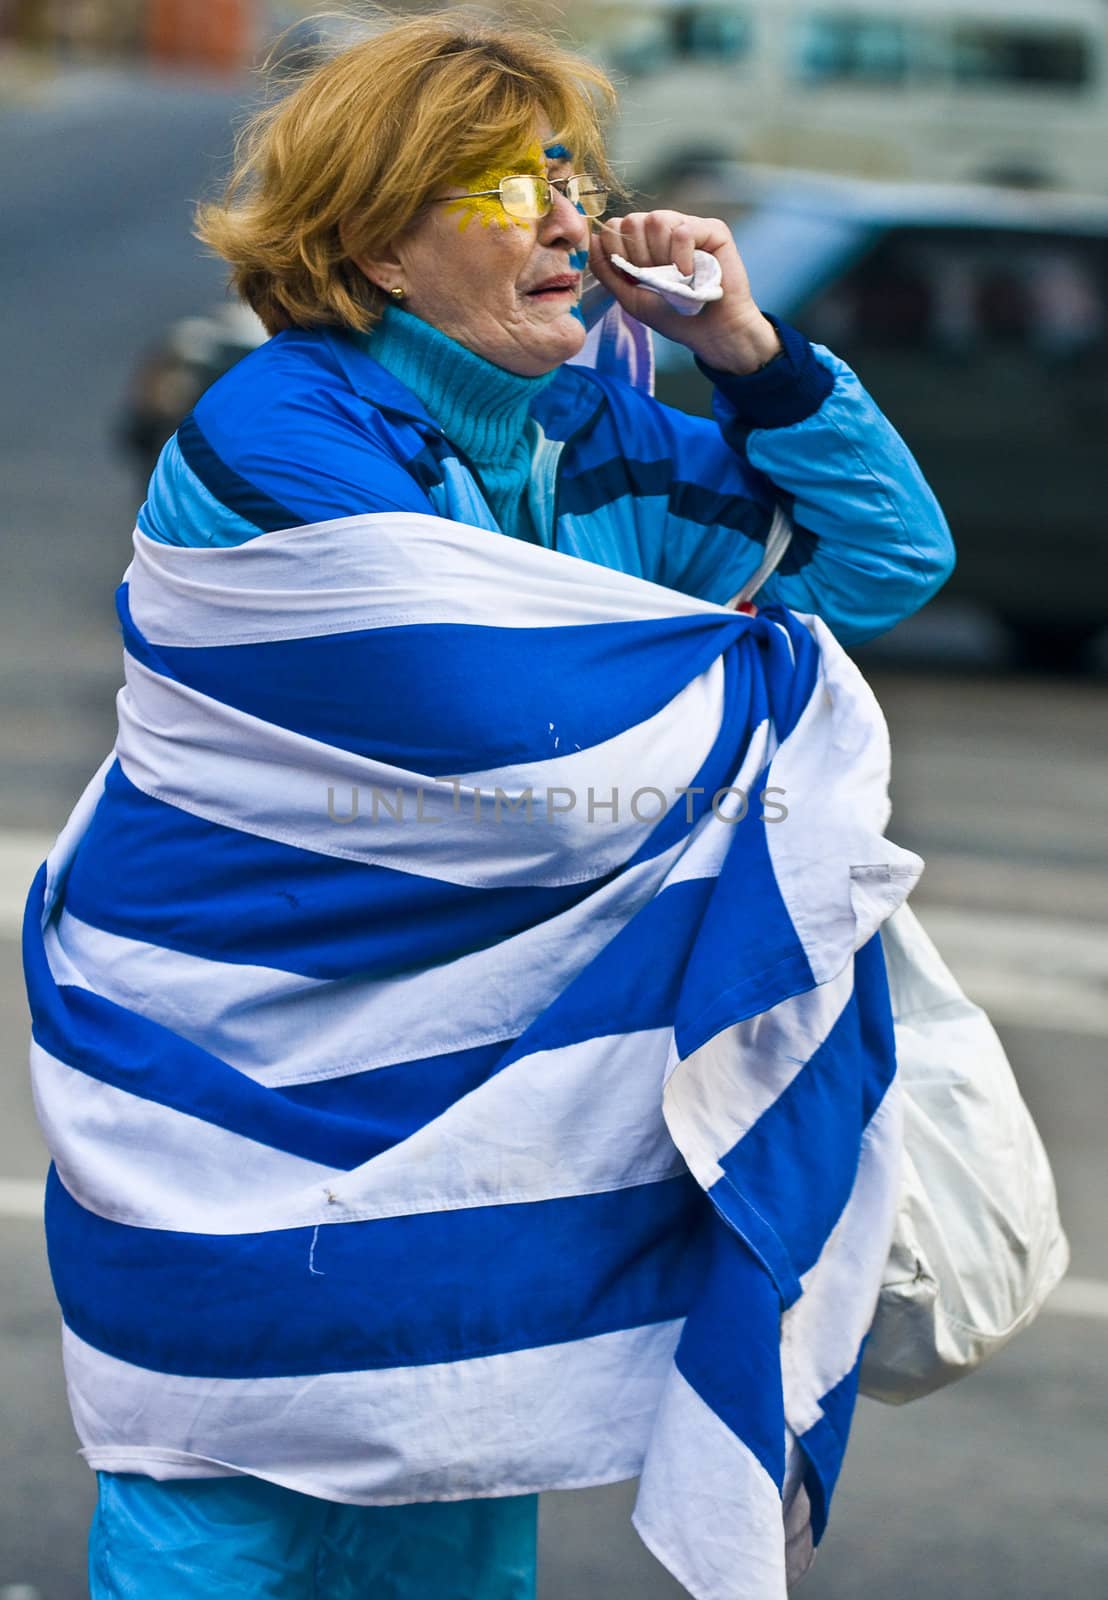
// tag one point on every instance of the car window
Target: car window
(988, 351)
(970, 291)
(644, 46)
(836, 47)
(712, 32)
(1041, 56)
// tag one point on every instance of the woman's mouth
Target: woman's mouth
(566, 286)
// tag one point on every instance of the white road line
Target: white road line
(1080, 1297)
(1042, 972)
(1027, 971)
(21, 855)
(22, 1197)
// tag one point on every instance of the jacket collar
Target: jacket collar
(565, 406)
(369, 379)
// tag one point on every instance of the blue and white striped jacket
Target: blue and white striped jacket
(309, 427)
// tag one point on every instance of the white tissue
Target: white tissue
(687, 293)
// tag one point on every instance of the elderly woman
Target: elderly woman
(412, 224)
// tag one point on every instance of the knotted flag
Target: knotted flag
(462, 1038)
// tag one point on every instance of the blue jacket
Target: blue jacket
(309, 427)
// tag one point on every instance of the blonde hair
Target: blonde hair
(344, 162)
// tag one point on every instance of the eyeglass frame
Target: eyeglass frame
(532, 177)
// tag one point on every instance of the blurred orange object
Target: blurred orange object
(210, 33)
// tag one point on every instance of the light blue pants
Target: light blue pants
(208, 1538)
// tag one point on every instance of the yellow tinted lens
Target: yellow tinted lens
(525, 197)
(587, 193)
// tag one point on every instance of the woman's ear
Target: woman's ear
(383, 270)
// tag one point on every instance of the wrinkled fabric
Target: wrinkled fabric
(468, 1150)
(217, 1537)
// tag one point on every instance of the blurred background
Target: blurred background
(920, 185)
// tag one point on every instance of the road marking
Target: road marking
(1080, 1297)
(1041, 972)
(21, 855)
(1026, 971)
(22, 1197)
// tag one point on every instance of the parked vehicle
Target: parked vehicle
(171, 377)
(931, 90)
(977, 318)
(297, 47)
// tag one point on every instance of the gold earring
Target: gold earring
(397, 292)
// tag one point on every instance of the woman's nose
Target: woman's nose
(564, 223)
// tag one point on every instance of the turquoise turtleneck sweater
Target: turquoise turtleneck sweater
(482, 409)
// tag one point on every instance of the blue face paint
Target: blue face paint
(578, 261)
(560, 152)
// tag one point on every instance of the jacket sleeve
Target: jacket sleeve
(870, 542)
(268, 448)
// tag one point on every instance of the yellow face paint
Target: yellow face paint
(487, 209)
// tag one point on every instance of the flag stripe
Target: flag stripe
(283, 1028)
(716, 1105)
(406, 1291)
(736, 1309)
(134, 1158)
(843, 1082)
(214, 761)
(137, 1160)
(121, 1047)
(373, 571)
(158, 874)
(508, 698)
(696, 1466)
(518, 1421)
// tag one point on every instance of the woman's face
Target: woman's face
(506, 289)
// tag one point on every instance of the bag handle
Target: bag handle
(778, 540)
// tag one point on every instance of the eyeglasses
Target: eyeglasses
(530, 198)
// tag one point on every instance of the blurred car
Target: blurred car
(977, 318)
(171, 377)
(299, 48)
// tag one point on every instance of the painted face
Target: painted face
(506, 288)
(558, 156)
(486, 209)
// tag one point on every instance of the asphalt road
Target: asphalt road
(995, 1487)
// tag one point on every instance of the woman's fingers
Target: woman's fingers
(643, 238)
(663, 238)
(682, 248)
(669, 240)
(730, 333)
(617, 238)
(635, 247)
(638, 301)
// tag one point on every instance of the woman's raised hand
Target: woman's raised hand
(731, 334)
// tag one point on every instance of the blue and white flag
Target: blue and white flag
(462, 1037)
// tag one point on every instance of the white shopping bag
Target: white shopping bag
(978, 1244)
